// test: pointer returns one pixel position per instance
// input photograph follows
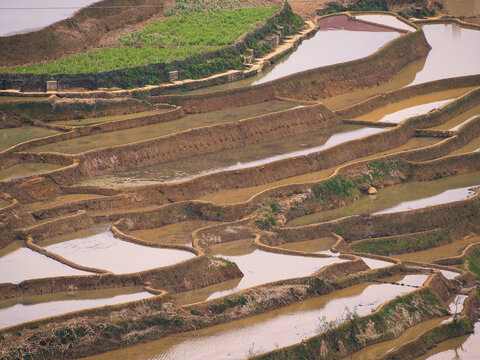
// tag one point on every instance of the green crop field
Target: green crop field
(174, 38)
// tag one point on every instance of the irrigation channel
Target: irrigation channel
(315, 215)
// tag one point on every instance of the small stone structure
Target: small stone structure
(52, 85)
(173, 76)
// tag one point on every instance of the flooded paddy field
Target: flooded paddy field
(402, 197)
(264, 332)
(104, 251)
(418, 105)
(18, 263)
(30, 308)
(14, 136)
(26, 169)
(240, 195)
(231, 275)
(178, 233)
(235, 159)
(120, 137)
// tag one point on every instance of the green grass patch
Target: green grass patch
(216, 28)
(177, 38)
(338, 187)
(473, 260)
(402, 244)
(113, 59)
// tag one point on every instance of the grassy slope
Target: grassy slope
(172, 39)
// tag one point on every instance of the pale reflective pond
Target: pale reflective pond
(235, 159)
(18, 263)
(30, 308)
(263, 332)
(22, 16)
(114, 138)
(386, 20)
(104, 251)
(401, 197)
(358, 40)
(323, 49)
(260, 267)
(455, 52)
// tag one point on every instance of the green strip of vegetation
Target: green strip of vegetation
(473, 260)
(164, 41)
(402, 244)
(214, 28)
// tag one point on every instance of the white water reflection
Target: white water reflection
(22, 16)
(442, 198)
(104, 251)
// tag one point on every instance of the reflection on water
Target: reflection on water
(358, 40)
(30, 308)
(386, 20)
(453, 53)
(243, 194)
(235, 159)
(323, 49)
(18, 263)
(264, 332)
(456, 122)
(22, 16)
(260, 267)
(114, 138)
(464, 347)
(418, 105)
(401, 197)
(104, 251)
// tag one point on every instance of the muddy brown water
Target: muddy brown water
(103, 119)
(401, 197)
(458, 121)
(419, 105)
(243, 194)
(60, 200)
(472, 146)
(263, 332)
(19, 310)
(315, 245)
(179, 233)
(464, 348)
(429, 255)
(13, 136)
(27, 169)
(235, 159)
(378, 350)
(18, 263)
(86, 143)
(260, 267)
(104, 251)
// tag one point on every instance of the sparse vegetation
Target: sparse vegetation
(402, 244)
